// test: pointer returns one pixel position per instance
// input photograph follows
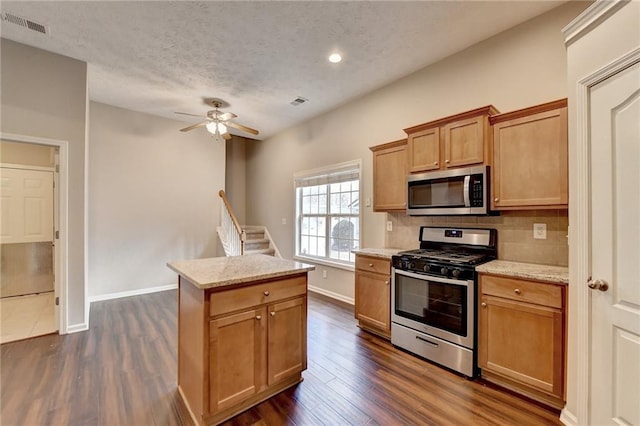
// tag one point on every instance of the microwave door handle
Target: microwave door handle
(467, 200)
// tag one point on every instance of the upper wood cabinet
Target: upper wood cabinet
(389, 176)
(456, 141)
(530, 164)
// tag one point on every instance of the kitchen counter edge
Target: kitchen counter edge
(532, 271)
(382, 253)
(219, 272)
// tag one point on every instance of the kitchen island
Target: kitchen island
(242, 332)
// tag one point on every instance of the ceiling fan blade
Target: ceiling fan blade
(195, 126)
(226, 136)
(226, 116)
(186, 113)
(241, 127)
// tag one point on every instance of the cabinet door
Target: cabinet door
(424, 150)
(287, 339)
(530, 161)
(522, 342)
(390, 179)
(373, 300)
(237, 357)
(464, 142)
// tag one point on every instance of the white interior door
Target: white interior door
(614, 117)
(26, 206)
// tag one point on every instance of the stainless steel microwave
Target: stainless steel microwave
(462, 191)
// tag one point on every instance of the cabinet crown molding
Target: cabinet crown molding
(485, 110)
(549, 106)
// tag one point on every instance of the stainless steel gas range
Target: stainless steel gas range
(433, 297)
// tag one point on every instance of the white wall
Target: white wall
(45, 95)
(521, 67)
(153, 198)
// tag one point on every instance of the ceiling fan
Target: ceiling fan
(217, 122)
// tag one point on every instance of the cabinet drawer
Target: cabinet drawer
(372, 264)
(522, 290)
(245, 297)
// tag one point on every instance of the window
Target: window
(328, 213)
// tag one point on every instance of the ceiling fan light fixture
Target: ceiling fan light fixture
(216, 128)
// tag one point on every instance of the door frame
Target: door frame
(61, 206)
(580, 230)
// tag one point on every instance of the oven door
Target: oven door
(437, 306)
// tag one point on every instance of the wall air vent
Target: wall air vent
(24, 22)
(299, 101)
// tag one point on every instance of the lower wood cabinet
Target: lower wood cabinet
(254, 345)
(373, 294)
(521, 336)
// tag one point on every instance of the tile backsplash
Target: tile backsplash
(515, 233)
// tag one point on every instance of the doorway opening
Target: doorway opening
(32, 237)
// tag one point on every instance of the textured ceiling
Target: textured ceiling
(161, 57)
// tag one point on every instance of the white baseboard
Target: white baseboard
(76, 328)
(568, 418)
(332, 295)
(130, 293)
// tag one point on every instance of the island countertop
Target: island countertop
(224, 271)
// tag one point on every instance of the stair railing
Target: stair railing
(233, 235)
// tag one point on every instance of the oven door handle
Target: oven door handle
(467, 194)
(426, 277)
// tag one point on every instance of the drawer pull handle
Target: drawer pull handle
(266, 293)
(517, 291)
(496, 199)
(273, 314)
(484, 305)
(387, 282)
(258, 317)
(435, 163)
(371, 265)
(428, 342)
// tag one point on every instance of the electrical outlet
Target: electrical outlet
(389, 226)
(367, 202)
(324, 274)
(540, 231)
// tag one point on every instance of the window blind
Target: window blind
(343, 172)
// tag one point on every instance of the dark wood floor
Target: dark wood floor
(123, 372)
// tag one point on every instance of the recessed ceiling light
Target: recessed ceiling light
(335, 58)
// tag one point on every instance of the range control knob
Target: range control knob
(412, 265)
(456, 273)
(426, 268)
(444, 270)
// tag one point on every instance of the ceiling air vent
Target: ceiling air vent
(24, 22)
(299, 101)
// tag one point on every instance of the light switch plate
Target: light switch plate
(540, 231)
(284, 220)
(389, 226)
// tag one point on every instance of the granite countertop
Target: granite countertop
(384, 253)
(548, 273)
(223, 271)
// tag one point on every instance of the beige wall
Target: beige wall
(153, 198)
(521, 67)
(27, 154)
(236, 176)
(45, 95)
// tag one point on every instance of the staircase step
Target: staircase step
(269, 251)
(254, 234)
(256, 244)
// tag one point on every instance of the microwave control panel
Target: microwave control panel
(477, 191)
